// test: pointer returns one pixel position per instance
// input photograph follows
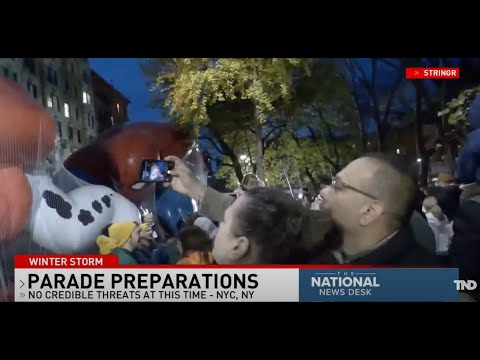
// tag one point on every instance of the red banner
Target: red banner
(432, 73)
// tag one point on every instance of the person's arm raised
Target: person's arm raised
(211, 203)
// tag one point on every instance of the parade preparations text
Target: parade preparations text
(143, 281)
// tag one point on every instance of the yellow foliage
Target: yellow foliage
(194, 84)
(459, 108)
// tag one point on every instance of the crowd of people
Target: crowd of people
(372, 213)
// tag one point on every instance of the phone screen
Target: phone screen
(156, 171)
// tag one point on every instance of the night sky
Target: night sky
(125, 75)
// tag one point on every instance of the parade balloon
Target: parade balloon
(64, 212)
(114, 160)
(27, 135)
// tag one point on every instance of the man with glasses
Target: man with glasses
(370, 201)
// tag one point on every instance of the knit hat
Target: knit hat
(118, 235)
(206, 225)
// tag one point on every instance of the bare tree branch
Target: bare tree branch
(313, 135)
(394, 66)
(391, 96)
(248, 148)
(271, 140)
(269, 133)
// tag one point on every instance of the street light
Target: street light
(419, 160)
(243, 157)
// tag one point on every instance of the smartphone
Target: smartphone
(156, 171)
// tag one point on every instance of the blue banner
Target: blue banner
(378, 285)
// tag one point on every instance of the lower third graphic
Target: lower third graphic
(378, 285)
(341, 283)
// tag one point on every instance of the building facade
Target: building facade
(64, 87)
(111, 106)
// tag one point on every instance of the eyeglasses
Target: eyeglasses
(340, 185)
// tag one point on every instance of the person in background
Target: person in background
(122, 239)
(317, 203)
(195, 246)
(447, 193)
(465, 245)
(268, 226)
(152, 252)
(206, 225)
(440, 225)
(421, 231)
(172, 247)
(263, 226)
(307, 198)
(249, 181)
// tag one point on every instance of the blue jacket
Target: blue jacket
(156, 256)
(469, 159)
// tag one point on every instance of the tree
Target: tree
(375, 85)
(304, 161)
(233, 136)
(434, 94)
(234, 150)
(324, 116)
(458, 111)
(193, 86)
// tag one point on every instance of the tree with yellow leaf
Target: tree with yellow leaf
(305, 161)
(193, 88)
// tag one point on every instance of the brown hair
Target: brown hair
(193, 238)
(279, 225)
(247, 180)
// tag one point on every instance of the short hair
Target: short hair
(279, 226)
(194, 238)
(246, 180)
(393, 182)
(431, 205)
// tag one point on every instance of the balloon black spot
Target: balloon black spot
(85, 217)
(106, 201)
(97, 207)
(57, 202)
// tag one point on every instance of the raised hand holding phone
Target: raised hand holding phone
(156, 171)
